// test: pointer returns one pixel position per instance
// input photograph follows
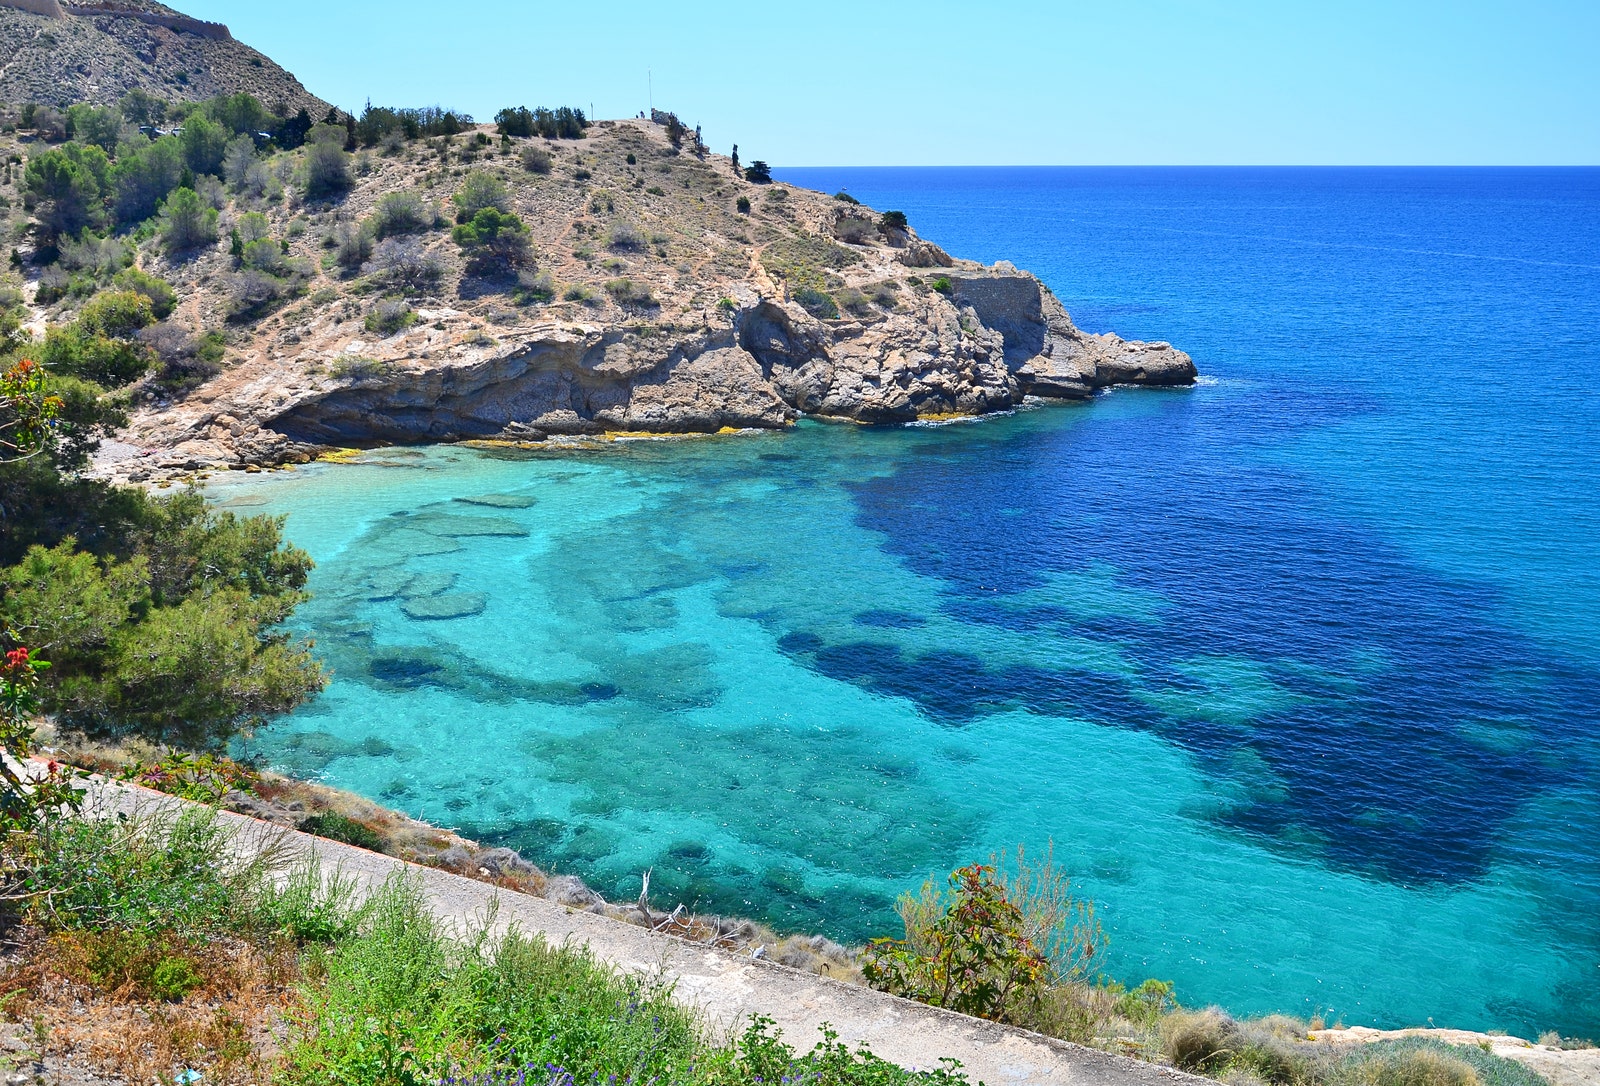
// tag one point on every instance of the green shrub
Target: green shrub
(893, 222)
(480, 191)
(743, 205)
(845, 197)
(78, 351)
(942, 285)
(854, 301)
(66, 186)
(187, 222)
(818, 303)
(116, 314)
(494, 241)
(327, 165)
(966, 950)
(390, 317)
(628, 293)
(625, 237)
(1146, 1004)
(399, 213)
(883, 294)
(355, 367)
(336, 827)
(351, 244)
(174, 978)
(162, 297)
(202, 778)
(536, 159)
(143, 179)
(535, 287)
(758, 173)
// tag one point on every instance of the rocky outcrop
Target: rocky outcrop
(998, 336)
(1052, 357)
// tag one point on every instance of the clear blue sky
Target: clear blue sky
(992, 81)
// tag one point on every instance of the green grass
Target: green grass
(176, 875)
(389, 997)
(403, 1003)
(805, 261)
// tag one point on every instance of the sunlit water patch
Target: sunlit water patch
(1309, 717)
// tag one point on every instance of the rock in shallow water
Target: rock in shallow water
(454, 605)
(502, 501)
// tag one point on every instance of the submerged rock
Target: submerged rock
(454, 605)
(502, 501)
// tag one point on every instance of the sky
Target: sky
(990, 82)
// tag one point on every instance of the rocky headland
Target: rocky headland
(667, 294)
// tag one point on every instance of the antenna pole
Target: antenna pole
(650, 76)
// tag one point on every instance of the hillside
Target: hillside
(649, 301)
(67, 58)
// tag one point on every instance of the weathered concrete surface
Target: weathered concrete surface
(726, 989)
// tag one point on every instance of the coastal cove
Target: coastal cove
(1297, 667)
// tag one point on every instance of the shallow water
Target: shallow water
(1297, 668)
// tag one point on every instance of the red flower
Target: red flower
(17, 659)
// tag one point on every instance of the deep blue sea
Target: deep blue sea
(1298, 669)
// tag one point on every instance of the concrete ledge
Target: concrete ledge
(727, 989)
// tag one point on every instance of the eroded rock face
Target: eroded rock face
(996, 337)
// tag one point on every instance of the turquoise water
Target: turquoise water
(1296, 668)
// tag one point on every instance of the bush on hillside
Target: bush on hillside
(327, 166)
(479, 191)
(536, 160)
(758, 173)
(494, 242)
(399, 213)
(818, 303)
(625, 237)
(403, 263)
(352, 245)
(144, 178)
(65, 188)
(389, 317)
(187, 223)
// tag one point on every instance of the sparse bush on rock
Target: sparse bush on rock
(389, 317)
(479, 191)
(400, 213)
(404, 263)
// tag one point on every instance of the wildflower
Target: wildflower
(17, 659)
